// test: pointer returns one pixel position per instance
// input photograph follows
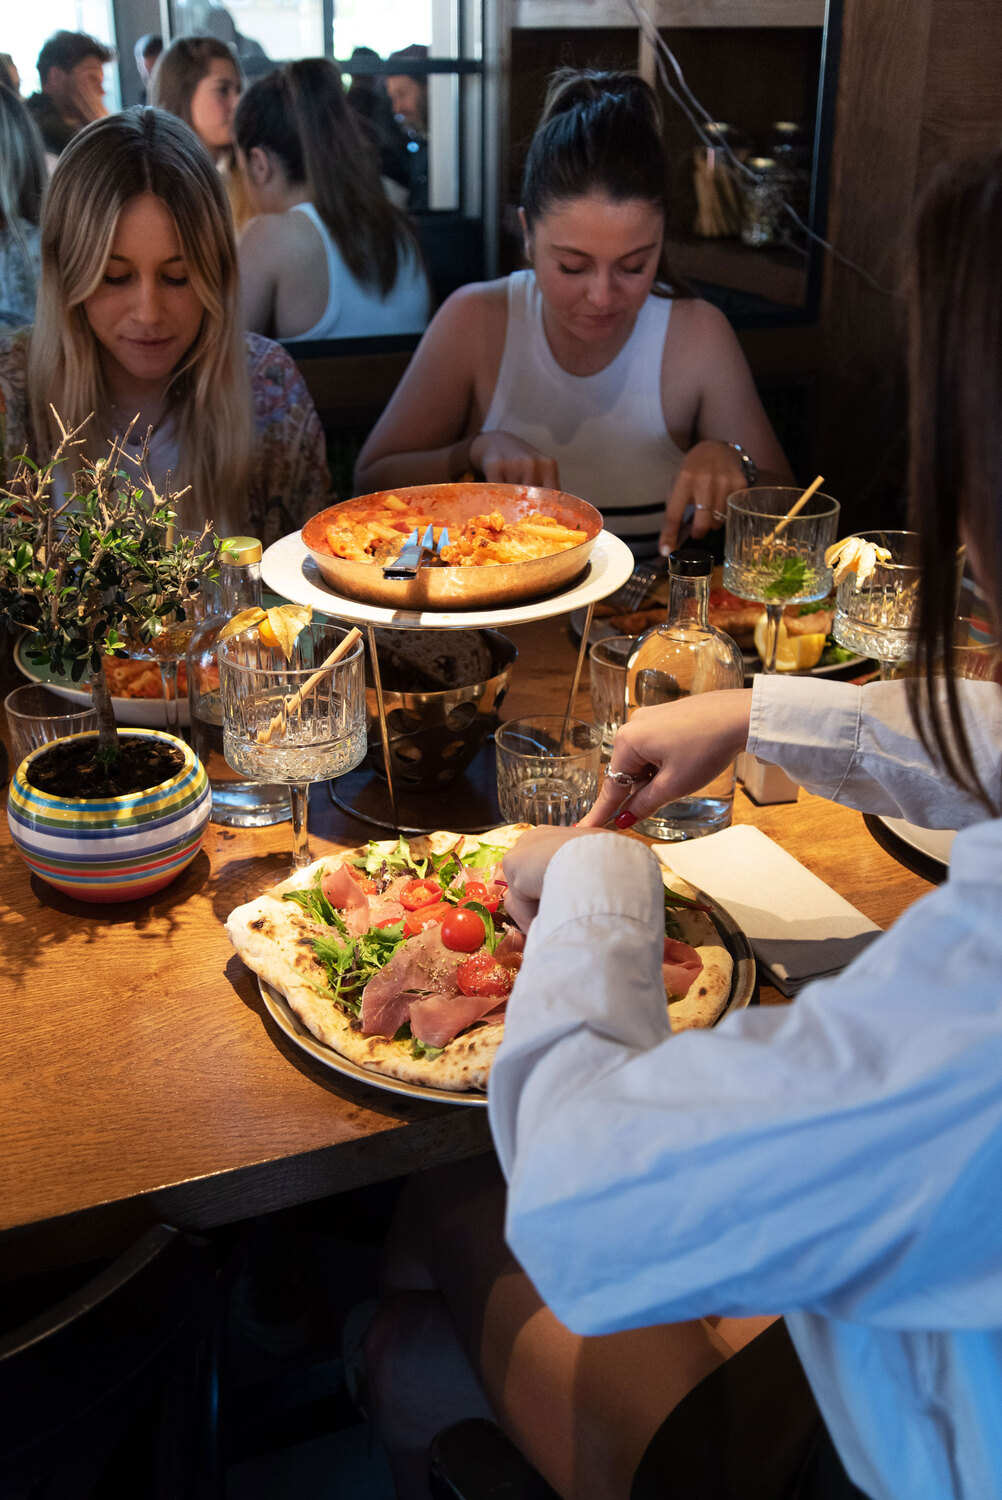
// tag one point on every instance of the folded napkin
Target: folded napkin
(798, 927)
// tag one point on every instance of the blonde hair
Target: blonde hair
(103, 168)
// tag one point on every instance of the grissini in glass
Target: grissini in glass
(294, 721)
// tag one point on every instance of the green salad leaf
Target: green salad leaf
(491, 939)
(487, 854)
(315, 904)
(791, 579)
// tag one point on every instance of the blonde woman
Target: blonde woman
(22, 179)
(198, 79)
(137, 316)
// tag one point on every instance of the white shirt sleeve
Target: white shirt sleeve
(838, 1156)
(857, 746)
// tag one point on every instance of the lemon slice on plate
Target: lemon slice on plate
(794, 653)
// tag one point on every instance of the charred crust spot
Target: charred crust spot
(261, 924)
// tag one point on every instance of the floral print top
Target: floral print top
(289, 476)
(20, 268)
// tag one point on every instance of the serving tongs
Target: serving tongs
(415, 554)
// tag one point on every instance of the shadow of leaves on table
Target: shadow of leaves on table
(36, 917)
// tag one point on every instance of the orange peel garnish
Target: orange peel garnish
(277, 627)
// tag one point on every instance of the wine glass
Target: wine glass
(774, 560)
(293, 721)
(879, 617)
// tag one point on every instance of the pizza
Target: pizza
(400, 957)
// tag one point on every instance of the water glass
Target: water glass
(607, 681)
(975, 649)
(547, 768)
(37, 716)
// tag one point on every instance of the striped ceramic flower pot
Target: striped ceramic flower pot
(117, 848)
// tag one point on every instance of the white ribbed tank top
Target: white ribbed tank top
(606, 431)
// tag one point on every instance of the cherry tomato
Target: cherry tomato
(426, 916)
(481, 974)
(488, 896)
(418, 893)
(389, 922)
(364, 882)
(463, 931)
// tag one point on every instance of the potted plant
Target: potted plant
(105, 816)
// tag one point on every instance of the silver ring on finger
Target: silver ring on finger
(718, 516)
(623, 778)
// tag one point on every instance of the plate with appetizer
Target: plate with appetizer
(136, 687)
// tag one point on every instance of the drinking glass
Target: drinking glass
(294, 721)
(879, 619)
(547, 768)
(607, 683)
(37, 716)
(776, 561)
(975, 649)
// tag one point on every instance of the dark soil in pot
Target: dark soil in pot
(72, 768)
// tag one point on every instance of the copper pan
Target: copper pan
(448, 588)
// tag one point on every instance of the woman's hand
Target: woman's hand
(524, 868)
(711, 471)
(505, 459)
(671, 750)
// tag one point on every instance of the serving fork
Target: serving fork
(415, 552)
(631, 595)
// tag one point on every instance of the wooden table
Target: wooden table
(143, 1080)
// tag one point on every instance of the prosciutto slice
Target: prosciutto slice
(436, 1019)
(421, 965)
(344, 893)
(509, 951)
(681, 967)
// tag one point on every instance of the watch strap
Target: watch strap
(748, 464)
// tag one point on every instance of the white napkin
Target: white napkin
(799, 928)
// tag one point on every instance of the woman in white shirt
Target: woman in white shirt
(836, 1161)
(327, 255)
(592, 370)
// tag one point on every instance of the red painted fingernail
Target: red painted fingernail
(574, 825)
(625, 819)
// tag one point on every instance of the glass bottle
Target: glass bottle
(686, 655)
(235, 801)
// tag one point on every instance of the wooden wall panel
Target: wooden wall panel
(575, 13)
(962, 111)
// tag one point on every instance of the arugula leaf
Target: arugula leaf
(419, 1049)
(316, 905)
(791, 579)
(491, 939)
(398, 861)
(487, 854)
(351, 962)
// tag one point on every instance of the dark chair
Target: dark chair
(473, 1460)
(116, 1384)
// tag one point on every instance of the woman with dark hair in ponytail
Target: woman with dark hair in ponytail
(328, 255)
(593, 370)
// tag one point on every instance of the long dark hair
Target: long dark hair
(599, 132)
(301, 114)
(955, 298)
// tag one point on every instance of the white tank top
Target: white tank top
(355, 311)
(606, 431)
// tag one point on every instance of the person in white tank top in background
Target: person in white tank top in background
(327, 254)
(592, 371)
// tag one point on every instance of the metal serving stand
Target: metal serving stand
(288, 569)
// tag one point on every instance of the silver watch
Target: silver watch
(748, 464)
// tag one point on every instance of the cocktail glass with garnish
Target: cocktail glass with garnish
(776, 560)
(293, 720)
(876, 608)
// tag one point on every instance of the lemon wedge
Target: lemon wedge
(794, 653)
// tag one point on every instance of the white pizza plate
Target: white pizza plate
(742, 989)
(601, 630)
(289, 570)
(934, 843)
(133, 713)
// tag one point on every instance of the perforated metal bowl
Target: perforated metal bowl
(434, 735)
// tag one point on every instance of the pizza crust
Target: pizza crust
(274, 938)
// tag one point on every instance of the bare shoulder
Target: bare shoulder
(476, 308)
(697, 320)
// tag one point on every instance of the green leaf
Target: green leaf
(791, 579)
(485, 856)
(491, 938)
